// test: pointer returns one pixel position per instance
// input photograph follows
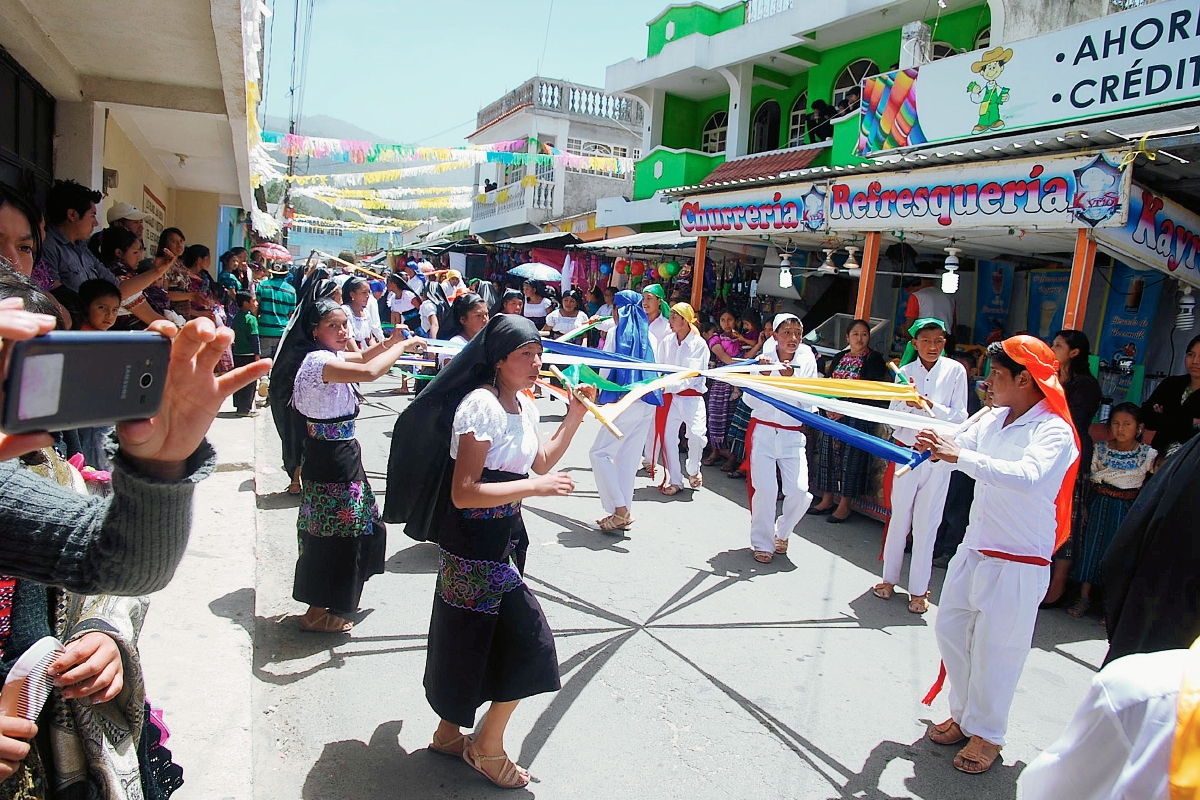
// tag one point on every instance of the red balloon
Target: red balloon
(638, 268)
(619, 266)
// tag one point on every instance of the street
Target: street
(687, 668)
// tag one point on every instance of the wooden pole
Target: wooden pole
(866, 282)
(698, 272)
(1082, 267)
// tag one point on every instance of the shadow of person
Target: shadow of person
(933, 776)
(237, 607)
(877, 614)
(349, 770)
(421, 558)
(740, 564)
(578, 534)
(276, 501)
(653, 495)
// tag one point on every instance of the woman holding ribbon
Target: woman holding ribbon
(488, 637)
(683, 403)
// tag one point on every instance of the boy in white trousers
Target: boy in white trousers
(683, 403)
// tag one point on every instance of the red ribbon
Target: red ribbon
(659, 443)
(755, 422)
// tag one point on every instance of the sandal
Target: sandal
(977, 757)
(711, 461)
(326, 623)
(453, 747)
(1080, 608)
(671, 490)
(918, 604)
(947, 733)
(510, 775)
(294, 487)
(614, 522)
(738, 474)
(763, 557)
(883, 591)
(696, 481)
(780, 545)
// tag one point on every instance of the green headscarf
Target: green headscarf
(910, 352)
(657, 290)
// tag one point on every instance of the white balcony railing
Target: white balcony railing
(762, 9)
(540, 196)
(568, 98)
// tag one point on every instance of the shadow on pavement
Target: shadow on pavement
(580, 534)
(422, 558)
(350, 770)
(276, 501)
(878, 614)
(933, 774)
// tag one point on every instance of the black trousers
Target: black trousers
(243, 399)
(959, 496)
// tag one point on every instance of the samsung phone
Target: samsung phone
(67, 380)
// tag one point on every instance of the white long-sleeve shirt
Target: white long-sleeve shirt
(946, 387)
(1018, 471)
(1118, 745)
(661, 328)
(691, 353)
(804, 365)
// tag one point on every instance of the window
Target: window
(582, 147)
(940, 50)
(764, 130)
(984, 38)
(713, 138)
(26, 130)
(798, 123)
(851, 78)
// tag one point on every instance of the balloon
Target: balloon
(661, 269)
(605, 268)
(628, 268)
(672, 268)
(638, 268)
(619, 266)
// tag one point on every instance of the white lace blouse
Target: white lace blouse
(514, 440)
(316, 399)
(1122, 469)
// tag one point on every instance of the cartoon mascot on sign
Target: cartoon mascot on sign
(990, 96)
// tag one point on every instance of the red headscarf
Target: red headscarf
(1037, 357)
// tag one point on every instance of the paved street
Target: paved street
(687, 668)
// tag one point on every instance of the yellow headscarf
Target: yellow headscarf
(688, 313)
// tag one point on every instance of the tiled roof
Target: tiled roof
(761, 167)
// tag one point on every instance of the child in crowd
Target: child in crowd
(246, 347)
(101, 302)
(1119, 468)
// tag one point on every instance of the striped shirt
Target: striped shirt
(276, 301)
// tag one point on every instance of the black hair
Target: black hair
(596, 295)
(865, 324)
(397, 279)
(319, 310)
(577, 296)
(37, 300)
(243, 297)
(753, 317)
(998, 357)
(11, 197)
(113, 239)
(1077, 340)
(67, 196)
(1132, 409)
(228, 255)
(1195, 340)
(193, 253)
(95, 289)
(463, 305)
(166, 234)
(352, 284)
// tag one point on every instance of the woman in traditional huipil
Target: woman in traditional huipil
(476, 427)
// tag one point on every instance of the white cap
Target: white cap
(125, 211)
(782, 318)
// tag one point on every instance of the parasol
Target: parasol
(535, 271)
(272, 251)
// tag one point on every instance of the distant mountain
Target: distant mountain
(324, 127)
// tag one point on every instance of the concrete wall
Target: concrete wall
(1020, 19)
(198, 215)
(78, 142)
(135, 172)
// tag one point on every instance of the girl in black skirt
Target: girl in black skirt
(342, 539)
(488, 637)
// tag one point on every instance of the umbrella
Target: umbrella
(272, 251)
(535, 271)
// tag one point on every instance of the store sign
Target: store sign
(1129, 311)
(1062, 192)
(1047, 302)
(993, 297)
(156, 219)
(1159, 233)
(1141, 58)
(798, 210)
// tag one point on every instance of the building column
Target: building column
(741, 82)
(653, 101)
(1082, 266)
(79, 142)
(698, 272)
(866, 281)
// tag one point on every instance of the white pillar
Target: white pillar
(652, 125)
(79, 142)
(916, 44)
(741, 82)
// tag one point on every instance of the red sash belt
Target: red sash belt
(660, 429)
(936, 689)
(755, 422)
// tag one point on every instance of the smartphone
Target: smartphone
(69, 379)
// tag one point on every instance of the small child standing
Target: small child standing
(1119, 468)
(247, 347)
(101, 302)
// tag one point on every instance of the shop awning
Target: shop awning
(551, 239)
(657, 240)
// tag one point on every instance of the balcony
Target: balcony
(762, 9)
(572, 99)
(666, 168)
(527, 201)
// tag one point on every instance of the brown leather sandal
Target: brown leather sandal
(763, 557)
(947, 733)
(510, 776)
(696, 481)
(670, 490)
(326, 623)
(451, 747)
(613, 522)
(781, 545)
(977, 757)
(918, 604)
(883, 591)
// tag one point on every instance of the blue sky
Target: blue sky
(416, 72)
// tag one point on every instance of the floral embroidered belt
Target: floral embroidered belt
(475, 585)
(496, 512)
(331, 431)
(1112, 491)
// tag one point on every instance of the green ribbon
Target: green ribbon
(910, 351)
(581, 373)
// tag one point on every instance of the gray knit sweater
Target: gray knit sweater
(125, 544)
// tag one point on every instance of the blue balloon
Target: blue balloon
(606, 269)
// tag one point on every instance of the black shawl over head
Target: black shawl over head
(1152, 569)
(487, 293)
(420, 467)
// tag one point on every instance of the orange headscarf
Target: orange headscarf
(1037, 357)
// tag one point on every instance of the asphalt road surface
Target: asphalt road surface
(688, 669)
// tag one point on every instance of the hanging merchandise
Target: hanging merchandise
(637, 268)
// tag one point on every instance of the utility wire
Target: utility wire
(545, 39)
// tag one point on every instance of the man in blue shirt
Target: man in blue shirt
(70, 220)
